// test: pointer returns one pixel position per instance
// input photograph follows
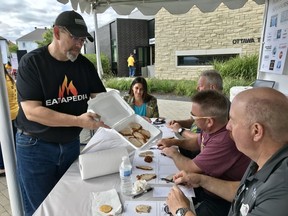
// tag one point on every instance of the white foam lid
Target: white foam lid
(111, 106)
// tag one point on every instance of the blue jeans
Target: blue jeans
(131, 71)
(40, 166)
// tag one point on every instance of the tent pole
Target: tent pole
(8, 149)
(98, 56)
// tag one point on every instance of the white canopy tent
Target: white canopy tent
(122, 7)
(151, 7)
(147, 7)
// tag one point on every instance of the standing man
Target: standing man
(54, 84)
(131, 65)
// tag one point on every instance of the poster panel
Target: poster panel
(275, 38)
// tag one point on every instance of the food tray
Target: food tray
(118, 114)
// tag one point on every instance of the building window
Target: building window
(204, 57)
(192, 60)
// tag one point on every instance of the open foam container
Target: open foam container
(118, 114)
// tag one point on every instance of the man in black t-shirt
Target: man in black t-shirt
(54, 84)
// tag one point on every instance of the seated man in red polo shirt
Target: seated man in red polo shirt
(218, 155)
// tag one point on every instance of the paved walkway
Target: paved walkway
(170, 109)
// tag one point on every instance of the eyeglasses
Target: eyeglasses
(200, 117)
(74, 38)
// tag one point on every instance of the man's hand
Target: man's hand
(171, 151)
(170, 123)
(166, 142)
(176, 199)
(222, 188)
(174, 125)
(187, 179)
(90, 121)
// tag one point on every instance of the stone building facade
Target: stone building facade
(223, 31)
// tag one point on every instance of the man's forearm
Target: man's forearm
(52, 118)
(185, 163)
(190, 143)
(225, 189)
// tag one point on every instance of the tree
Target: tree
(47, 38)
(12, 48)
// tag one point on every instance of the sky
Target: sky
(20, 17)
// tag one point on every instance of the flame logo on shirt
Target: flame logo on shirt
(68, 88)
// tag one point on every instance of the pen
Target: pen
(171, 180)
(167, 180)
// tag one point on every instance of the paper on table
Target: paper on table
(164, 191)
(161, 165)
(157, 208)
(109, 197)
(104, 138)
(166, 132)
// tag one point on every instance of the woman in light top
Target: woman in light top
(141, 102)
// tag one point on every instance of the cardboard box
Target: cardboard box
(117, 114)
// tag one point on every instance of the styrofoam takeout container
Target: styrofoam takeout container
(118, 114)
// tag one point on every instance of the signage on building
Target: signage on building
(246, 40)
(275, 39)
(151, 41)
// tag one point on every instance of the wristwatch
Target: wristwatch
(182, 211)
(181, 130)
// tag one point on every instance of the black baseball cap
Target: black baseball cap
(74, 23)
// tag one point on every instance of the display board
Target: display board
(273, 58)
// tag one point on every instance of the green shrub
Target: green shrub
(230, 82)
(186, 87)
(239, 71)
(107, 73)
(122, 84)
(239, 67)
(161, 86)
(176, 87)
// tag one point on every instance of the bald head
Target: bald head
(267, 107)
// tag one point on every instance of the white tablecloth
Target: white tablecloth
(72, 196)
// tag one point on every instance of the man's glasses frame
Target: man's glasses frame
(74, 38)
(200, 117)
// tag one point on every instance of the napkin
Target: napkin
(109, 197)
(101, 163)
(104, 139)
